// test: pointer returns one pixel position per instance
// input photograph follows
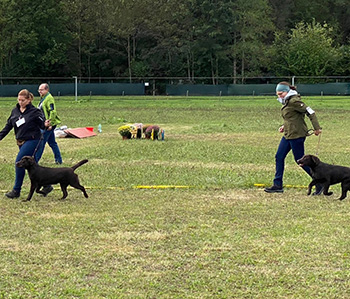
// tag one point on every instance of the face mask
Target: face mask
(282, 101)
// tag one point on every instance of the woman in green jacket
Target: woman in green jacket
(295, 131)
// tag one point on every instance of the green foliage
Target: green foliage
(34, 38)
(308, 51)
(344, 63)
(172, 38)
(175, 38)
(139, 68)
(252, 26)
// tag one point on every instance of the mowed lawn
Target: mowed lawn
(217, 237)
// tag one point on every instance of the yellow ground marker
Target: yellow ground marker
(139, 187)
(162, 187)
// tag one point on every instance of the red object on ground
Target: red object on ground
(90, 128)
(79, 133)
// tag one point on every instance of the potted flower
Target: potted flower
(144, 128)
(138, 127)
(125, 131)
(152, 132)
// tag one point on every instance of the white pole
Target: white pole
(293, 80)
(76, 87)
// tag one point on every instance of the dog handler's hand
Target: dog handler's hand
(318, 132)
(48, 125)
(281, 129)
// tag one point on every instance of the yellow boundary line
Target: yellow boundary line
(162, 187)
(143, 187)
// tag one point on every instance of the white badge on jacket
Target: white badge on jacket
(20, 122)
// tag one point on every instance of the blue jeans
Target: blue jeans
(27, 149)
(49, 137)
(297, 147)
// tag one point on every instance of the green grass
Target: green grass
(221, 238)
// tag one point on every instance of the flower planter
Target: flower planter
(125, 131)
(152, 132)
(127, 136)
(139, 134)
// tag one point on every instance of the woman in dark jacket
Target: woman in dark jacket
(295, 131)
(26, 120)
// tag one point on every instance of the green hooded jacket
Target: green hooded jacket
(47, 105)
(293, 113)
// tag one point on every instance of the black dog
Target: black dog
(43, 176)
(326, 175)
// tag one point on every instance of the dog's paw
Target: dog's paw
(328, 193)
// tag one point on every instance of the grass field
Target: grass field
(220, 238)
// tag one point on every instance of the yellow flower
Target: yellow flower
(125, 130)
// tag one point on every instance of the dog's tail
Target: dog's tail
(74, 167)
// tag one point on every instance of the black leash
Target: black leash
(37, 146)
(310, 132)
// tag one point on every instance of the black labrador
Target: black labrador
(326, 174)
(43, 176)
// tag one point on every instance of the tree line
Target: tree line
(174, 38)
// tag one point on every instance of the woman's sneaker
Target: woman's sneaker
(12, 194)
(274, 189)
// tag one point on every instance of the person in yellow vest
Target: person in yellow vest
(48, 107)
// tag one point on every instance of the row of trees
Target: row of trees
(174, 38)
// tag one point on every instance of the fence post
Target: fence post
(76, 87)
(293, 80)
